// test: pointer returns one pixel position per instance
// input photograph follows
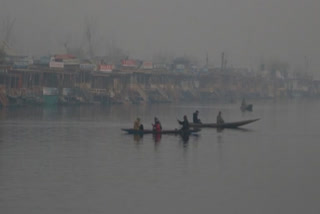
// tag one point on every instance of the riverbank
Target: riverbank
(75, 87)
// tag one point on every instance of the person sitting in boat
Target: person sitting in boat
(184, 123)
(195, 117)
(137, 125)
(220, 119)
(157, 125)
(243, 105)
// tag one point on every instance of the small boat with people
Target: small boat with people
(231, 125)
(138, 128)
(246, 107)
(164, 131)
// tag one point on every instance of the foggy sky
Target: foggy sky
(248, 31)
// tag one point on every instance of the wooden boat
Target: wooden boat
(150, 131)
(230, 125)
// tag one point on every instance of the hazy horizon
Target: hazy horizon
(248, 31)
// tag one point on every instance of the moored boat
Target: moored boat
(230, 125)
(50, 96)
(248, 107)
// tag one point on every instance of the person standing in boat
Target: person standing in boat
(137, 125)
(157, 125)
(184, 123)
(195, 117)
(220, 119)
(243, 103)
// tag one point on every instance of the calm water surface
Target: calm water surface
(77, 160)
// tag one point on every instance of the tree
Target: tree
(278, 66)
(6, 31)
(71, 47)
(163, 58)
(2, 55)
(90, 34)
(115, 53)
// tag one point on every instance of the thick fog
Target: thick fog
(248, 31)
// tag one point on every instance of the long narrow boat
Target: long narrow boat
(150, 131)
(230, 125)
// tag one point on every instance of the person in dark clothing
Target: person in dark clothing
(184, 123)
(220, 119)
(195, 117)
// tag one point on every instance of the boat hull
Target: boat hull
(150, 131)
(231, 125)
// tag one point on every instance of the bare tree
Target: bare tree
(163, 57)
(71, 46)
(2, 55)
(115, 53)
(90, 34)
(7, 27)
(277, 65)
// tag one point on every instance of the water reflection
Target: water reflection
(220, 155)
(219, 139)
(156, 138)
(220, 130)
(185, 138)
(137, 138)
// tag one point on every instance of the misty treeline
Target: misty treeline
(90, 46)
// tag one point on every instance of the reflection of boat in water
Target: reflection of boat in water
(223, 125)
(150, 131)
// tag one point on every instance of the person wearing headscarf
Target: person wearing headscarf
(136, 125)
(157, 125)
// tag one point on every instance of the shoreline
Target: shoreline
(19, 87)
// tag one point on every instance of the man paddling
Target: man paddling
(184, 123)
(220, 119)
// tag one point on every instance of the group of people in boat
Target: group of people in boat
(185, 123)
(198, 121)
(157, 127)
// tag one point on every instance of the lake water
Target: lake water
(77, 160)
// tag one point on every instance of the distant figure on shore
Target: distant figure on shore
(184, 123)
(195, 117)
(157, 125)
(220, 119)
(137, 125)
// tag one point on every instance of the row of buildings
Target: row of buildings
(100, 64)
(66, 79)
